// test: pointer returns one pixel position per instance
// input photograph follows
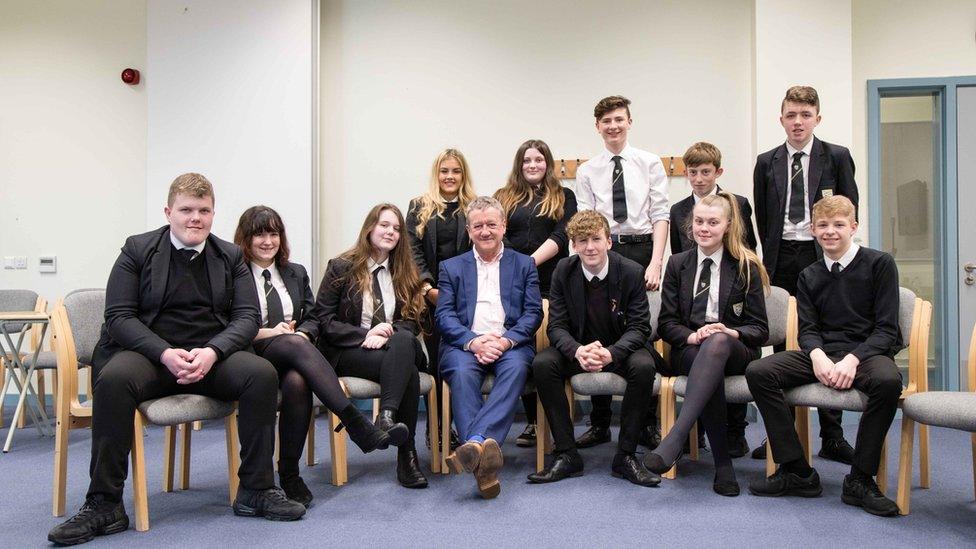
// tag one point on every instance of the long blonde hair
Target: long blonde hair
(519, 191)
(734, 238)
(431, 203)
(403, 270)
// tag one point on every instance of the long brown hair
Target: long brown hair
(403, 270)
(431, 203)
(257, 220)
(734, 238)
(519, 191)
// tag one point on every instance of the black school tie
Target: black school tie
(797, 203)
(276, 314)
(700, 303)
(835, 269)
(619, 197)
(188, 254)
(379, 309)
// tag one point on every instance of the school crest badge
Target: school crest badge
(827, 193)
(737, 308)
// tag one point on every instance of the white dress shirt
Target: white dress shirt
(697, 199)
(386, 288)
(801, 230)
(489, 314)
(278, 284)
(711, 309)
(602, 275)
(645, 186)
(845, 259)
(179, 245)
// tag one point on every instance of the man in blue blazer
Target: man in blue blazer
(488, 311)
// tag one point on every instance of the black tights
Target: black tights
(302, 370)
(706, 366)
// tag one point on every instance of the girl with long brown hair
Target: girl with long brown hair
(713, 314)
(369, 308)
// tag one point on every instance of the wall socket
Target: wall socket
(14, 262)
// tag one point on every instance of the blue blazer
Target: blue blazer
(457, 286)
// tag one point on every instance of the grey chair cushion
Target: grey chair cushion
(821, 396)
(736, 389)
(426, 383)
(906, 307)
(777, 311)
(489, 383)
(358, 387)
(604, 383)
(955, 410)
(176, 409)
(86, 313)
(17, 301)
(46, 360)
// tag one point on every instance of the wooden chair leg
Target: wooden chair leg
(139, 491)
(803, 431)
(445, 426)
(233, 455)
(903, 498)
(60, 463)
(54, 391)
(571, 398)
(432, 423)
(42, 390)
(169, 457)
(197, 425)
(376, 408)
(185, 441)
(310, 442)
(693, 441)
(923, 456)
(668, 412)
(541, 429)
(882, 478)
(770, 464)
(334, 449)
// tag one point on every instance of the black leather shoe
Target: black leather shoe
(271, 504)
(296, 489)
(837, 449)
(408, 470)
(593, 437)
(759, 452)
(398, 431)
(363, 433)
(738, 446)
(564, 465)
(650, 437)
(527, 438)
(782, 483)
(864, 492)
(655, 463)
(629, 467)
(95, 518)
(727, 488)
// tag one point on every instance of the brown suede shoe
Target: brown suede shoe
(487, 472)
(466, 458)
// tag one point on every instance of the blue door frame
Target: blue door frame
(946, 307)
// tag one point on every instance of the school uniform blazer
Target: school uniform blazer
(136, 291)
(831, 173)
(681, 219)
(425, 249)
(740, 308)
(300, 291)
(629, 311)
(457, 285)
(336, 316)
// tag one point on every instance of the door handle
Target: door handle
(969, 267)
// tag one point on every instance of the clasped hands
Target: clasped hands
(593, 357)
(377, 336)
(702, 333)
(188, 366)
(488, 348)
(838, 375)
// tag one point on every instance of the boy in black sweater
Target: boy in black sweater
(848, 313)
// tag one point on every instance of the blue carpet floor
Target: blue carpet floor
(372, 510)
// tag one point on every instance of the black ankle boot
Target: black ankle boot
(409, 474)
(366, 435)
(398, 431)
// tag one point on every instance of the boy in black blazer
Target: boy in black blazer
(787, 181)
(598, 321)
(848, 335)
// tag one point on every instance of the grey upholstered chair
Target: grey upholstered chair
(951, 409)
(359, 388)
(736, 388)
(914, 318)
(76, 323)
(20, 301)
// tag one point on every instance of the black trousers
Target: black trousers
(395, 367)
(601, 414)
(551, 369)
(877, 377)
(794, 256)
(129, 378)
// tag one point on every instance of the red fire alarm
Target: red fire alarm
(130, 76)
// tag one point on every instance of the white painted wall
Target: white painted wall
(402, 81)
(72, 138)
(231, 96)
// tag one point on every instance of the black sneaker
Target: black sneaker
(864, 492)
(271, 504)
(837, 449)
(527, 438)
(95, 518)
(296, 489)
(782, 483)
